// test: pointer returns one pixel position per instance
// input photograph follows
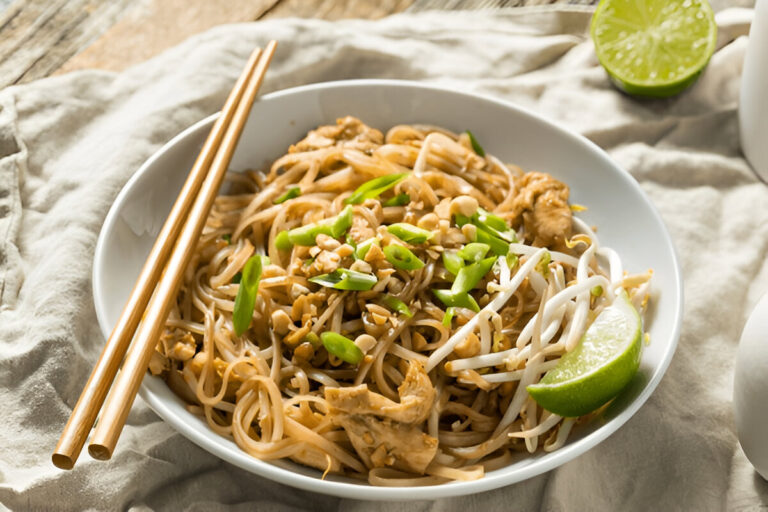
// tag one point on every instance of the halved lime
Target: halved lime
(601, 365)
(654, 47)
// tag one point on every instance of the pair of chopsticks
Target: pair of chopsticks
(147, 308)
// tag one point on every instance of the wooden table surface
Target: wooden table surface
(39, 38)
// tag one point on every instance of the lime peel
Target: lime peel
(602, 364)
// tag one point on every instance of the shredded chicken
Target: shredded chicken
(384, 432)
(542, 207)
(348, 132)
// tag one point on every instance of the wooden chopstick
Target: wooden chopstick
(91, 399)
(123, 392)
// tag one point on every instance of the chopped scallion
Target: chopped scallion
(474, 251)
(400, 257)
(246, 294)
(375, 187)
(341, 347)
(397, 305)
(289, 194)
(409, 233)
(399, 200)
(475, 145)
(452, 261)
(469, 276)
(458, 300)
(346, 279)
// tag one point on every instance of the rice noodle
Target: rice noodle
(267, 388)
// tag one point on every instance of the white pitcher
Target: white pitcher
(753, 103)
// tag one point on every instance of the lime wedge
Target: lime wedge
(654, 48)
(601, 365)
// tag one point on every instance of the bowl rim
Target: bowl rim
(363, 491)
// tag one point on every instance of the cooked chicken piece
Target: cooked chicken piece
(542, 207)
(348, 132)
(384, 432)
(389, 443)
(416, 397)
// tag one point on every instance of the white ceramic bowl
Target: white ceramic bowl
(626, 219)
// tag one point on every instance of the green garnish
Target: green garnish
(397, 305)
(227, 238)
(457, 300)
(474, 251)
(469, 276)
(283, 242)
(346, 279)
(402, 258)
(475, 145)
(342, 222)
(289, 194)
(363, 247)
(494, 225)
(399, 200)
(306, 235)
(237, 278)
(498, 246)
(246, 294)
(409, 233)
(452, 261)
(341, 347)
(448, 317)
(375, 187)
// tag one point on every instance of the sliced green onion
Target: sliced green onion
(346, 279)
(305, 235)
(409, 233)
(237, 278)
(365, 246)
(456, 300)
(397, 305)
(452, 261)
(289, 194)
(399, 200)
(375, 187)
(498, 246)
(341, 347)
(469, 276)
(491, 220)
(342, 222)
(402, 258)
(448, 317)
(283, 242)
(312, 338)
(227, 238)
(246, 294)
(474, 251)
(475, 145)
(333, 226)
(596, 291)
(351, 241)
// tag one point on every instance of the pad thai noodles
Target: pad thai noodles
(374, 305)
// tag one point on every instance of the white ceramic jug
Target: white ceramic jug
(753, 102)
(750, 388)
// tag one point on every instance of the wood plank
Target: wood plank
(159, 24)
(38, 36)
(337, 9)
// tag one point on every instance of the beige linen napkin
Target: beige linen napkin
(68, 144)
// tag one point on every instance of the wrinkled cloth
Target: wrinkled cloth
(69, 143)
